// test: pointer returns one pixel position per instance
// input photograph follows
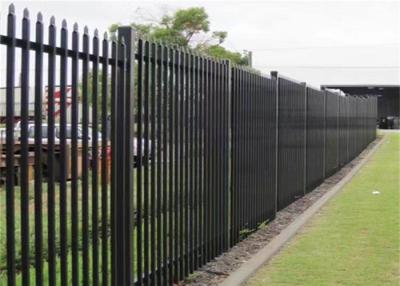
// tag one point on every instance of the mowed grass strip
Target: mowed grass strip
(355, 239)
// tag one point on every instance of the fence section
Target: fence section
(291, 140)
(57, 212)
(253, 150)
(343, 130)
(331, 133)
(158, 160)
(181, 190)
(315, 138)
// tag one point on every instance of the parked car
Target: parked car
(31, 138)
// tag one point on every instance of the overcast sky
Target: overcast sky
(320, 42)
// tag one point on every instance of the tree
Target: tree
(189, 28)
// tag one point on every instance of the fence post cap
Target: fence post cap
(11, 9)
(39, 17)
(26, 13)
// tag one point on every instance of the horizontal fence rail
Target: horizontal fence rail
(130, 162)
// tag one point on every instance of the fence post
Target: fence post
(274, 75)
(124, 160)
(305, 138)
(228, 126)
(324, 161)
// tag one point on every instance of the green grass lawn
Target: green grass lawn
(355, 239)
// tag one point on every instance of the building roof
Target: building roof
(359, 89)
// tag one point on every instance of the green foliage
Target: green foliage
(220, 52)
(188, 28)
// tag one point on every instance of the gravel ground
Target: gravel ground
(218, 269)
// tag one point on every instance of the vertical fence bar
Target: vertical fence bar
(190, 97)
(74, 157)
(166, 129)
(274, 75)
(234, 206)
(225, 159)
(207, 167)
(203, 174)
(145, 164)
(10, 93)
(196, 159)
(241, 122)
(104, 163)
(24, 149)
(139, 156)
(114, 169)
(171, 167)
(212, 190)
(94, 163)
(38, 150)
(228, 146)
(85, 159)
(201, 159)
(63, 155)
(243, 150)
(130, 38)
(305, 140)
(187, 192)
(50, 155)
(120, 215)
(218, 145)
(247, 152)
(177, 117)
(152, 99)
(160, 195)
(181, 257)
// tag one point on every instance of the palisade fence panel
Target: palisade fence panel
(331, 133)
(352, 127)
(359, 124)
(361, 110)
(56, 203)
(372, 117)
(181, 190)
(141, 162)
(343, 130)
(315, 138)
(371, 123)
(253, 150)
(291, 141)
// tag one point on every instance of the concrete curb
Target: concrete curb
(241, 275)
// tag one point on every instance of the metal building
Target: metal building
(388, 101)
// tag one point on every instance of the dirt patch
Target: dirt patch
(218, 269)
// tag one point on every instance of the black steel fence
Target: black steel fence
(315, 126)
(291, 140)
(143, 162)
(253, 163)
(331, 133)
